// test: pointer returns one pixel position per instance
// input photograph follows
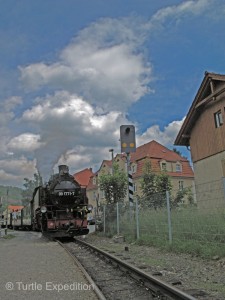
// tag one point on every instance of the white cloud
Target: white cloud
(13, 171)
(103, 64)
(195, 7)
(165, 137)
(96, 78)
(68, 127)
(26, 142)
(11, 103)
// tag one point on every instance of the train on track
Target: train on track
(58, 209)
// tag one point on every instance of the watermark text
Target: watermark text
(48, 286)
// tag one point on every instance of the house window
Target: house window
(178, 168)
(181, 185)
(163, 166)
(218, 119)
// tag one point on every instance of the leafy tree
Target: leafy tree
(154, 187)
(148, 186)
(179, 198)
(115, 188)
(163, 182)
(114, 185)
(30, 185)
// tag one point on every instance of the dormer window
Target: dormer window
(163, 166)
(218, 119)
(178, 167)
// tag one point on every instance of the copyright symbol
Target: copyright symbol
(9, 286)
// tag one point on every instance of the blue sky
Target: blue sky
(72, 72)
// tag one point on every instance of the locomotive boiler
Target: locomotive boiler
(60, 207)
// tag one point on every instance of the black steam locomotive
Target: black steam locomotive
(60, 207)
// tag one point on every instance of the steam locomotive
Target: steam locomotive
(60, 207)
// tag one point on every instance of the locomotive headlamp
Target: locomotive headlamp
(43, 209)
(90, 207)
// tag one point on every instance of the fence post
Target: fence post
(223, 180)
(137, 220)
(117, 218)
(104, 219)
(169, 216)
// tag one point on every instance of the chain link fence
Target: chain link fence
(198, 216)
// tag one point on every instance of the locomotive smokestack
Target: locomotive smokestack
(63, 169)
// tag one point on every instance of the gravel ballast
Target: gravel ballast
(203, 279)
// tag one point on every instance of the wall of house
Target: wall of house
(209, 177)
(206, 139)
(186, 182)
(138, 172)
(92, 194)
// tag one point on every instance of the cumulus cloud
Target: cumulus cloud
(103, 64)
(166, 136)
(7, 117)
(91, 85)
(177, 12)
(69, 128)
(26, 142)
(13, 171)
(11, 103)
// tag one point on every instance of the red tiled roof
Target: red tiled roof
(15, 207)
(83, 176)
(107, 163)
(155, 150)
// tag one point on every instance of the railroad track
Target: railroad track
(115, 279)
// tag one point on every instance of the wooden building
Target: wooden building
(204, 132)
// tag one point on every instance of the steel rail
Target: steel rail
(87, 276)
(158, 287)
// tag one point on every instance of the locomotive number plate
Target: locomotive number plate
(66, 193)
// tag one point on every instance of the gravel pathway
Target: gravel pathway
(31, 267)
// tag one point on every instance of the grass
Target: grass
(193, 231)
(8, 236)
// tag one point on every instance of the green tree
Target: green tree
(30, 185)
(114, 185)
(148, 186)
(154, 187)
(180, 196)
